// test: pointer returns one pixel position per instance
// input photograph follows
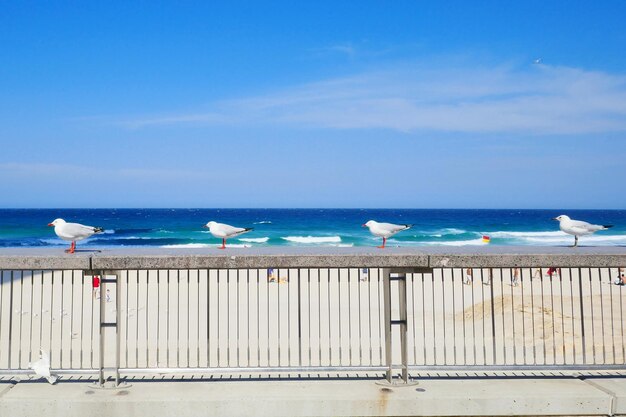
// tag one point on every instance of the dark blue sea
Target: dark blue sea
(180, 228)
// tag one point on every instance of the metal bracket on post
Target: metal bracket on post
(400, 278)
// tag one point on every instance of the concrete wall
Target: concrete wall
(291, 257)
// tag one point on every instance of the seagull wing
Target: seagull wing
(226, 230)
(77, 230)
(394, 228)
(585, 227)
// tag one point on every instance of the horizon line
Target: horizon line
(301, 208)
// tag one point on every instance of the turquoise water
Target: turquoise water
(307, 227)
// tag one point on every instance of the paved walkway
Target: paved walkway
(351, 397)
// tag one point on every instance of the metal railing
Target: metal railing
(571, 318)
(312, 319)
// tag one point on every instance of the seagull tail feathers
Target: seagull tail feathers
(247, 229)
(52, 379)
(98, 229)
(607, 226)
(407, 226)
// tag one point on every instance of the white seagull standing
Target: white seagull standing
(73, 232)
(225, 231)
(577, 227)
(42, 367)
(385, 230)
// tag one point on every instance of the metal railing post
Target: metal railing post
(104, 324)
(101, 378)
(387, 306)
(400, 278)
(118, 305)
(403, 327)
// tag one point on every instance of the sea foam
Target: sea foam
(313, 239)
(255, 239)
(469, 242)
(188, 245)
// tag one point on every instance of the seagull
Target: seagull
(385, 230)
(42, 367)
(577, 227)
(73, 232)
(225, 231)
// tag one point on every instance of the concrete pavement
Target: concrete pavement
(353, 397)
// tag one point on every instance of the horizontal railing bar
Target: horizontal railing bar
(492, 368)
(255, 369)
(52, 371)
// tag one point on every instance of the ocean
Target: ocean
(182, 228)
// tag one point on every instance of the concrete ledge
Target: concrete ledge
(325, 257)
(524, 261)
(310, 398)
(38, 260)
(616, 387)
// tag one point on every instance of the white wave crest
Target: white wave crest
(452, 231)
(108, 231)
(502, 234)
(472, 242)
(558, 238)
(201, 245)
(188, 246)
(313, 239)
(609, 240)
(255, 239)
(137, 238)
(263, 222)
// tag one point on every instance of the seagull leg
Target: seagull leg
(575, 241)
(72, 248)
(383, 246)
(223, 244)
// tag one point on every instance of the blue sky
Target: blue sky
(404, 104)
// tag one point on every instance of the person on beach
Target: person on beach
(515, 278)
(95, 281)
(554, 271)
(469, 279)
(619, 280)
(271, 275)
(364, 274)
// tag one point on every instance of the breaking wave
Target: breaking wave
(255, 239)
(313, 239)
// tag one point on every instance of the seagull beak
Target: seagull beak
(204, 226)
(363, 225)
(554, 218)
(50, 224)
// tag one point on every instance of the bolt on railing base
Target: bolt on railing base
(397, 383)
(110, 384)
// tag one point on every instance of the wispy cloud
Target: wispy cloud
(201, 118)
(536, 99)
(70, 171)
(346, 49)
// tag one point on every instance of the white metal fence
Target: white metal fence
(312, 319)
